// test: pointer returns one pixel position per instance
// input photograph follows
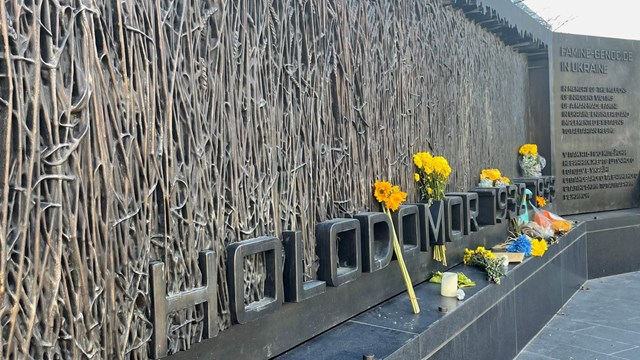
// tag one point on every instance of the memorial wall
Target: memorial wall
(595, 122)
(139, 131)
(148, 148)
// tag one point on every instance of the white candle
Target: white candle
(505, 261)
(449, 286)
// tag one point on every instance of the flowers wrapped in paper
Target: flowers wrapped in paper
(493, 178)
(431, 176)
(531, 162)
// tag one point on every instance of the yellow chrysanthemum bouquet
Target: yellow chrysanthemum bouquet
(431, 176)
(531, 162)
(487, 260)
(390, 197)
(493, 177)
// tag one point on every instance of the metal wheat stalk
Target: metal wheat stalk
(148, 130)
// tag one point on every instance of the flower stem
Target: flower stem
(403, 266)
(440, 254)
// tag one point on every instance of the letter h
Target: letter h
(163, 304)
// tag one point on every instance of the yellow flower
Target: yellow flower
(480, 250)
(538, 247)
(432, 173)
(389, 195)
(541, 201)
(441, 166)
(422, 160)
(467, 255)
(428, 165)
(505, 180)
(417, 161)
(395, 199)
(491, 174)
(529, 149)
(382, 189)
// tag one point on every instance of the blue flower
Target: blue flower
(522, 244)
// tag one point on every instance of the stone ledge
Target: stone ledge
(296, 323)
(613, 241)
(495, 321)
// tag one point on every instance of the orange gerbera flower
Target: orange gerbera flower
(395, 199)
(389, 195)
(382, 190)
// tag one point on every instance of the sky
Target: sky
(611, 18)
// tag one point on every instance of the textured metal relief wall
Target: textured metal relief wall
(142, 130)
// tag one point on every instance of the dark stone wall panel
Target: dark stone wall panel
(537, 300)
(613, 251)
(491, 336)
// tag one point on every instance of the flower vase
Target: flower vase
(532, 166)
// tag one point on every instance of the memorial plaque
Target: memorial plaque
(595, 86)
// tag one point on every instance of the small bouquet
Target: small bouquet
(528, 246)
(493, 178)
(390, 197)
(432, 174)
(522, 244)
(531, 162)
(486, 260)
(538, 247)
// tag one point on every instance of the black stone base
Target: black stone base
(494, 322)
(613, 241)
(295, 323)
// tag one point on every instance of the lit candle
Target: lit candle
(449, 286)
